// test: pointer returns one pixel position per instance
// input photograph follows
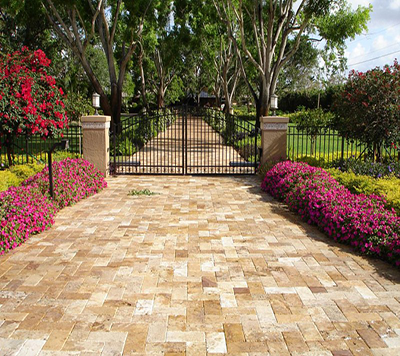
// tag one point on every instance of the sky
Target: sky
(381, 44)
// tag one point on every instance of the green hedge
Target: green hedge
(16, 174)
(389, 187)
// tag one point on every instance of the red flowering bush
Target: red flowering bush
(359, 220)
(28, 209)
(368, 108)
(30, 101)
(24, 211)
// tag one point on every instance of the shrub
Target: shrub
(76, 106)
(16, 174)
(24, 211)
(30, 101)
(8, 179)
(27, 209)
(388, 187)
(368, 108)
(61, 155)
(368, 168)
(312, 122)
(73, 179)
(24, 171)
(356, 219)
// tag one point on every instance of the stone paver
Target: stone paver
(209, 266)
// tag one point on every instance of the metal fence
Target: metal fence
(33, 149)
(327, 146)
(184, 140)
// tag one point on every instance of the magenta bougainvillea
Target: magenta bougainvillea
(27, 210)
(30, 101)
(356, 219)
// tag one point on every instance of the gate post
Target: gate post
(96, 141)
(274, 138)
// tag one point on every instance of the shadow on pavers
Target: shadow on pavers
(382, 268)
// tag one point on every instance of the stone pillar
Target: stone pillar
(274, 138)
(96, 141)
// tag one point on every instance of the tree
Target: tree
(261, 31)
(313, 122)
(113, 26)
(302, 70)
(23, 23)
(30, 101)
(368, 108)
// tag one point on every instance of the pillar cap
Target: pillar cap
(274, 119)
(96, 118)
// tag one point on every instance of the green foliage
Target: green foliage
(264, 168)
(368, 167)
(175, 91)
(245, 111)
(313, 122)
(314, 161)
(61, 155)
(26, 170)
(125, 147)
(290, 101)
(388, 187)
(368, 108)
(302, 69)
(77, 106)
(8, 179)
(16, 174)
(340, 24)
(135, 192)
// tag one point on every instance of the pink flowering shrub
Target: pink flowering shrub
(28, 209)
(356, 219)
(24, 211)
(73, 180)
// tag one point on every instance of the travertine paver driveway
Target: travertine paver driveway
(210, 265)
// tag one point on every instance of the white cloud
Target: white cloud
(380, 43)
(357, 52)
(383, 37)
(395, 4)
(356, 3)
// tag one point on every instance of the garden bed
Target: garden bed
(356, 219)
(28, 209)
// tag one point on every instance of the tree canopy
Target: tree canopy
(162, 51)
(269, 34)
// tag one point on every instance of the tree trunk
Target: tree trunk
(262, 103)
(116, 105)
(143, 82)
(160, 98)
(9, 145)
(262, 107)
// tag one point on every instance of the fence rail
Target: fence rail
(326, 146)
(33, 149)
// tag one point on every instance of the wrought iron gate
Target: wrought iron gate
(184, 140)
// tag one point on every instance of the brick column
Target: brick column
(96, 141)
(274, 138)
